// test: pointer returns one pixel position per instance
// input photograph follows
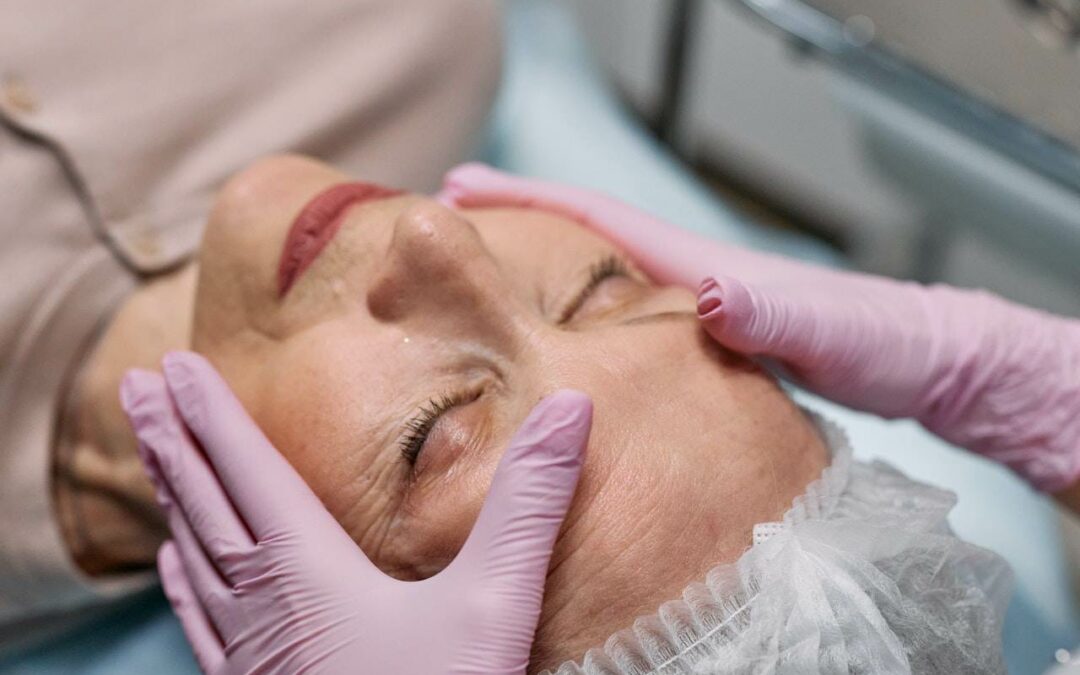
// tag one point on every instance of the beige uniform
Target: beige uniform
(119, 119)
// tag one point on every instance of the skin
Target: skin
(413, 301)
(104, 503)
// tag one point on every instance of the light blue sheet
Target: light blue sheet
(555, 119)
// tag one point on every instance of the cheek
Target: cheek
(447, 487)
(314, 417)
(440, 508)
(361, 494)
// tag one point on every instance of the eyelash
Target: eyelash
(419, 427)
(606, 267)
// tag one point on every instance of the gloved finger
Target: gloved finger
(756, 321)
(271, 500)
(170, 455)
(667, 253)
(204, 641)
(511, 543)
(816, 342)
(214, 595)
(144, 406)
(477, 185)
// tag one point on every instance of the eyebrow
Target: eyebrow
(316, 225)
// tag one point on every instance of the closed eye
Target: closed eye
(605, 268)
(419, 427)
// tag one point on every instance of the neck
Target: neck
(104, 501)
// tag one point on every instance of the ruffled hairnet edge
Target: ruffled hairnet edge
(673, 639)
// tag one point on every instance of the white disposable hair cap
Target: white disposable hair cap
(862, 575)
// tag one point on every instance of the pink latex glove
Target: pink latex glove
(994, 377)
(264, 580)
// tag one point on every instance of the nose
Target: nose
(438, 272)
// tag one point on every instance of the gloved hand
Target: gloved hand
(994, 377)
(264, 579)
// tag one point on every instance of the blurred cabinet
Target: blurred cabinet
(806, 136)
(629, 38)
(757, 111)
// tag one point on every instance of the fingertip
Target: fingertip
(566, 411)
(571, 404)
(447, 196)
(471, 184)
(145, 401)
(192, 380)
(710, 299)
(182, 366)
(724, 295)
(727, 309)
(469, 173)
(137, 387)
(172, 575)
(168, 559)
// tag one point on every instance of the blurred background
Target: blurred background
(925, 139)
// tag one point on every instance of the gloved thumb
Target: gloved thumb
(510, 545)
(476, 185)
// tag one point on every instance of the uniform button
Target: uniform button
(18, 97)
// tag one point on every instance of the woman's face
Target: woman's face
(398, 363)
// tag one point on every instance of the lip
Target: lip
(318, 222)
